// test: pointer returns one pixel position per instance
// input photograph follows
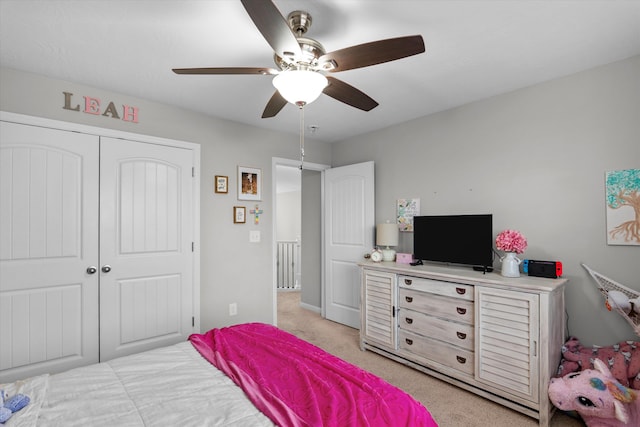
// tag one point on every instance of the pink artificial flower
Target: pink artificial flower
(511, 241)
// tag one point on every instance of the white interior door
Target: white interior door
(349, 211)
(146, 229)
(48, 239)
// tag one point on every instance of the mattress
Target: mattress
(172, 386)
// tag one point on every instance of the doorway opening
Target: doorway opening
(297, 243)
(288, 233)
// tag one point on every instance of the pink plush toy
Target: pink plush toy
(622, 359)
(597, 396)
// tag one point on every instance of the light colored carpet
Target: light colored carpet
(449, 405)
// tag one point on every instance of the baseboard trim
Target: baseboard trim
(310, 307)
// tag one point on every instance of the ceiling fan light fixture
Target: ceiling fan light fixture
(300, 87)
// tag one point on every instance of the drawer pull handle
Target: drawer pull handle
(461, 359)
(409, 341)
(408, 282)
(461, 291)
(461, 335)
(409, 299)
(461, 310)
(408, 320)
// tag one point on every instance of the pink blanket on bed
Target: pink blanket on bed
(296, 383)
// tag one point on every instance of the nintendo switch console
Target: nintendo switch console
(549, 269)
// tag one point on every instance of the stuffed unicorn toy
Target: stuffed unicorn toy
(597, 396)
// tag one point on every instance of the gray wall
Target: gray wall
(288, 221)
(311, 239)
(534, 158)
(232, 269)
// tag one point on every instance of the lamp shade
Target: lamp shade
(300, 87)
(387, 234)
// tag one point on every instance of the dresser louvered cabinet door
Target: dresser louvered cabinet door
(378, 310)
(507, 342)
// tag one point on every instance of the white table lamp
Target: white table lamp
(387, 235)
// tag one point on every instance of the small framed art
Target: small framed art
(249, 183)
(222, 184)
(239, 214)
(407, 209)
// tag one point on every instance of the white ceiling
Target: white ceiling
(474, 50)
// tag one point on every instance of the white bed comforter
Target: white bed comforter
(170, 386)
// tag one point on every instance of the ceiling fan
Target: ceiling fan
(298, 56)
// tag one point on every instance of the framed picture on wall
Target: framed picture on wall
(222, 184)
(249, 183)
(239, 214)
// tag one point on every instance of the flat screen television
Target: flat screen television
(454, 239)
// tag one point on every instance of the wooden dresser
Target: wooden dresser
(495, 336)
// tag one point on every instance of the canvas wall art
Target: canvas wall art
(623, 207)
(407, 209)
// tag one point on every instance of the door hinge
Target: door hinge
(193, 322)
(393, 311)
(193, 172)
(193, 246)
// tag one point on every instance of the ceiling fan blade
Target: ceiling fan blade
(226, 70)
(275, 104)
(273, 26)
(343, 92)
(373, 53)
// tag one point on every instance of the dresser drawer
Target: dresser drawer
(434, 305)
(437, 351)
(438, 287)
(460, 334)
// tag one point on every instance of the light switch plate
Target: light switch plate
(254, 236)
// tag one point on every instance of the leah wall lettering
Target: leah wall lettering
(96, 107)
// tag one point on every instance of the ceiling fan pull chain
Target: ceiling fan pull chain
(301, 136)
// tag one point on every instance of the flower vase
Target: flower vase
(510, 265)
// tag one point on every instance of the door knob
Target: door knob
(106, 268)
(91, 270)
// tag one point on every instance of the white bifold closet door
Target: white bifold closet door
(48, 237)
(96, 253)
(146, 235)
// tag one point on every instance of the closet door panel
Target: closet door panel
(49, 229)
(147, 234)
(149, 213)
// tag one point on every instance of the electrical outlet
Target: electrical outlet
(233, 309)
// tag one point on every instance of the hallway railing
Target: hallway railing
(288, 258)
